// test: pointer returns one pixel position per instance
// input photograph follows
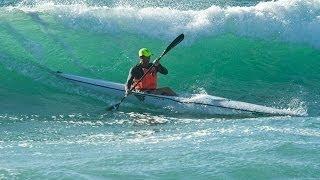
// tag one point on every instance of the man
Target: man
(149, 82)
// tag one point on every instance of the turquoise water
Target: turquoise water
(265, 53)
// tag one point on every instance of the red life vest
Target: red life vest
(149, 82)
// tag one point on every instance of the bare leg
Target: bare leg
(165, 91)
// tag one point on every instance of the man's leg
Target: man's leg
(166, 91)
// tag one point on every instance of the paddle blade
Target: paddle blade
(114, 107)
(174, 43)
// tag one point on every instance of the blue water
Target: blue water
(265, 53)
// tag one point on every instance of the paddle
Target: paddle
(172, 45)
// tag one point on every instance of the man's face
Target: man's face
(144, 59)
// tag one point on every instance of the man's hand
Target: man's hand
(128, 92)
(156, 63)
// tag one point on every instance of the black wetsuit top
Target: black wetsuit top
(136, 72)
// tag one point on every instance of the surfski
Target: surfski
(201, 104)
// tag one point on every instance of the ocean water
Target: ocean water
(261, 52)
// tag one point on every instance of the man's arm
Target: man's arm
(161, 69)
(129, 80)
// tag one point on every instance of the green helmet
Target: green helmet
(144, 52)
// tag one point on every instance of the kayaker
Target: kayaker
(149, 82)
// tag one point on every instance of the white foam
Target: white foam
(285, 20)
(299, 109)
(295, 131)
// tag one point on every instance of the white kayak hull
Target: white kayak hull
(202, 104)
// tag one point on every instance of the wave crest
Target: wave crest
(295, 21)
